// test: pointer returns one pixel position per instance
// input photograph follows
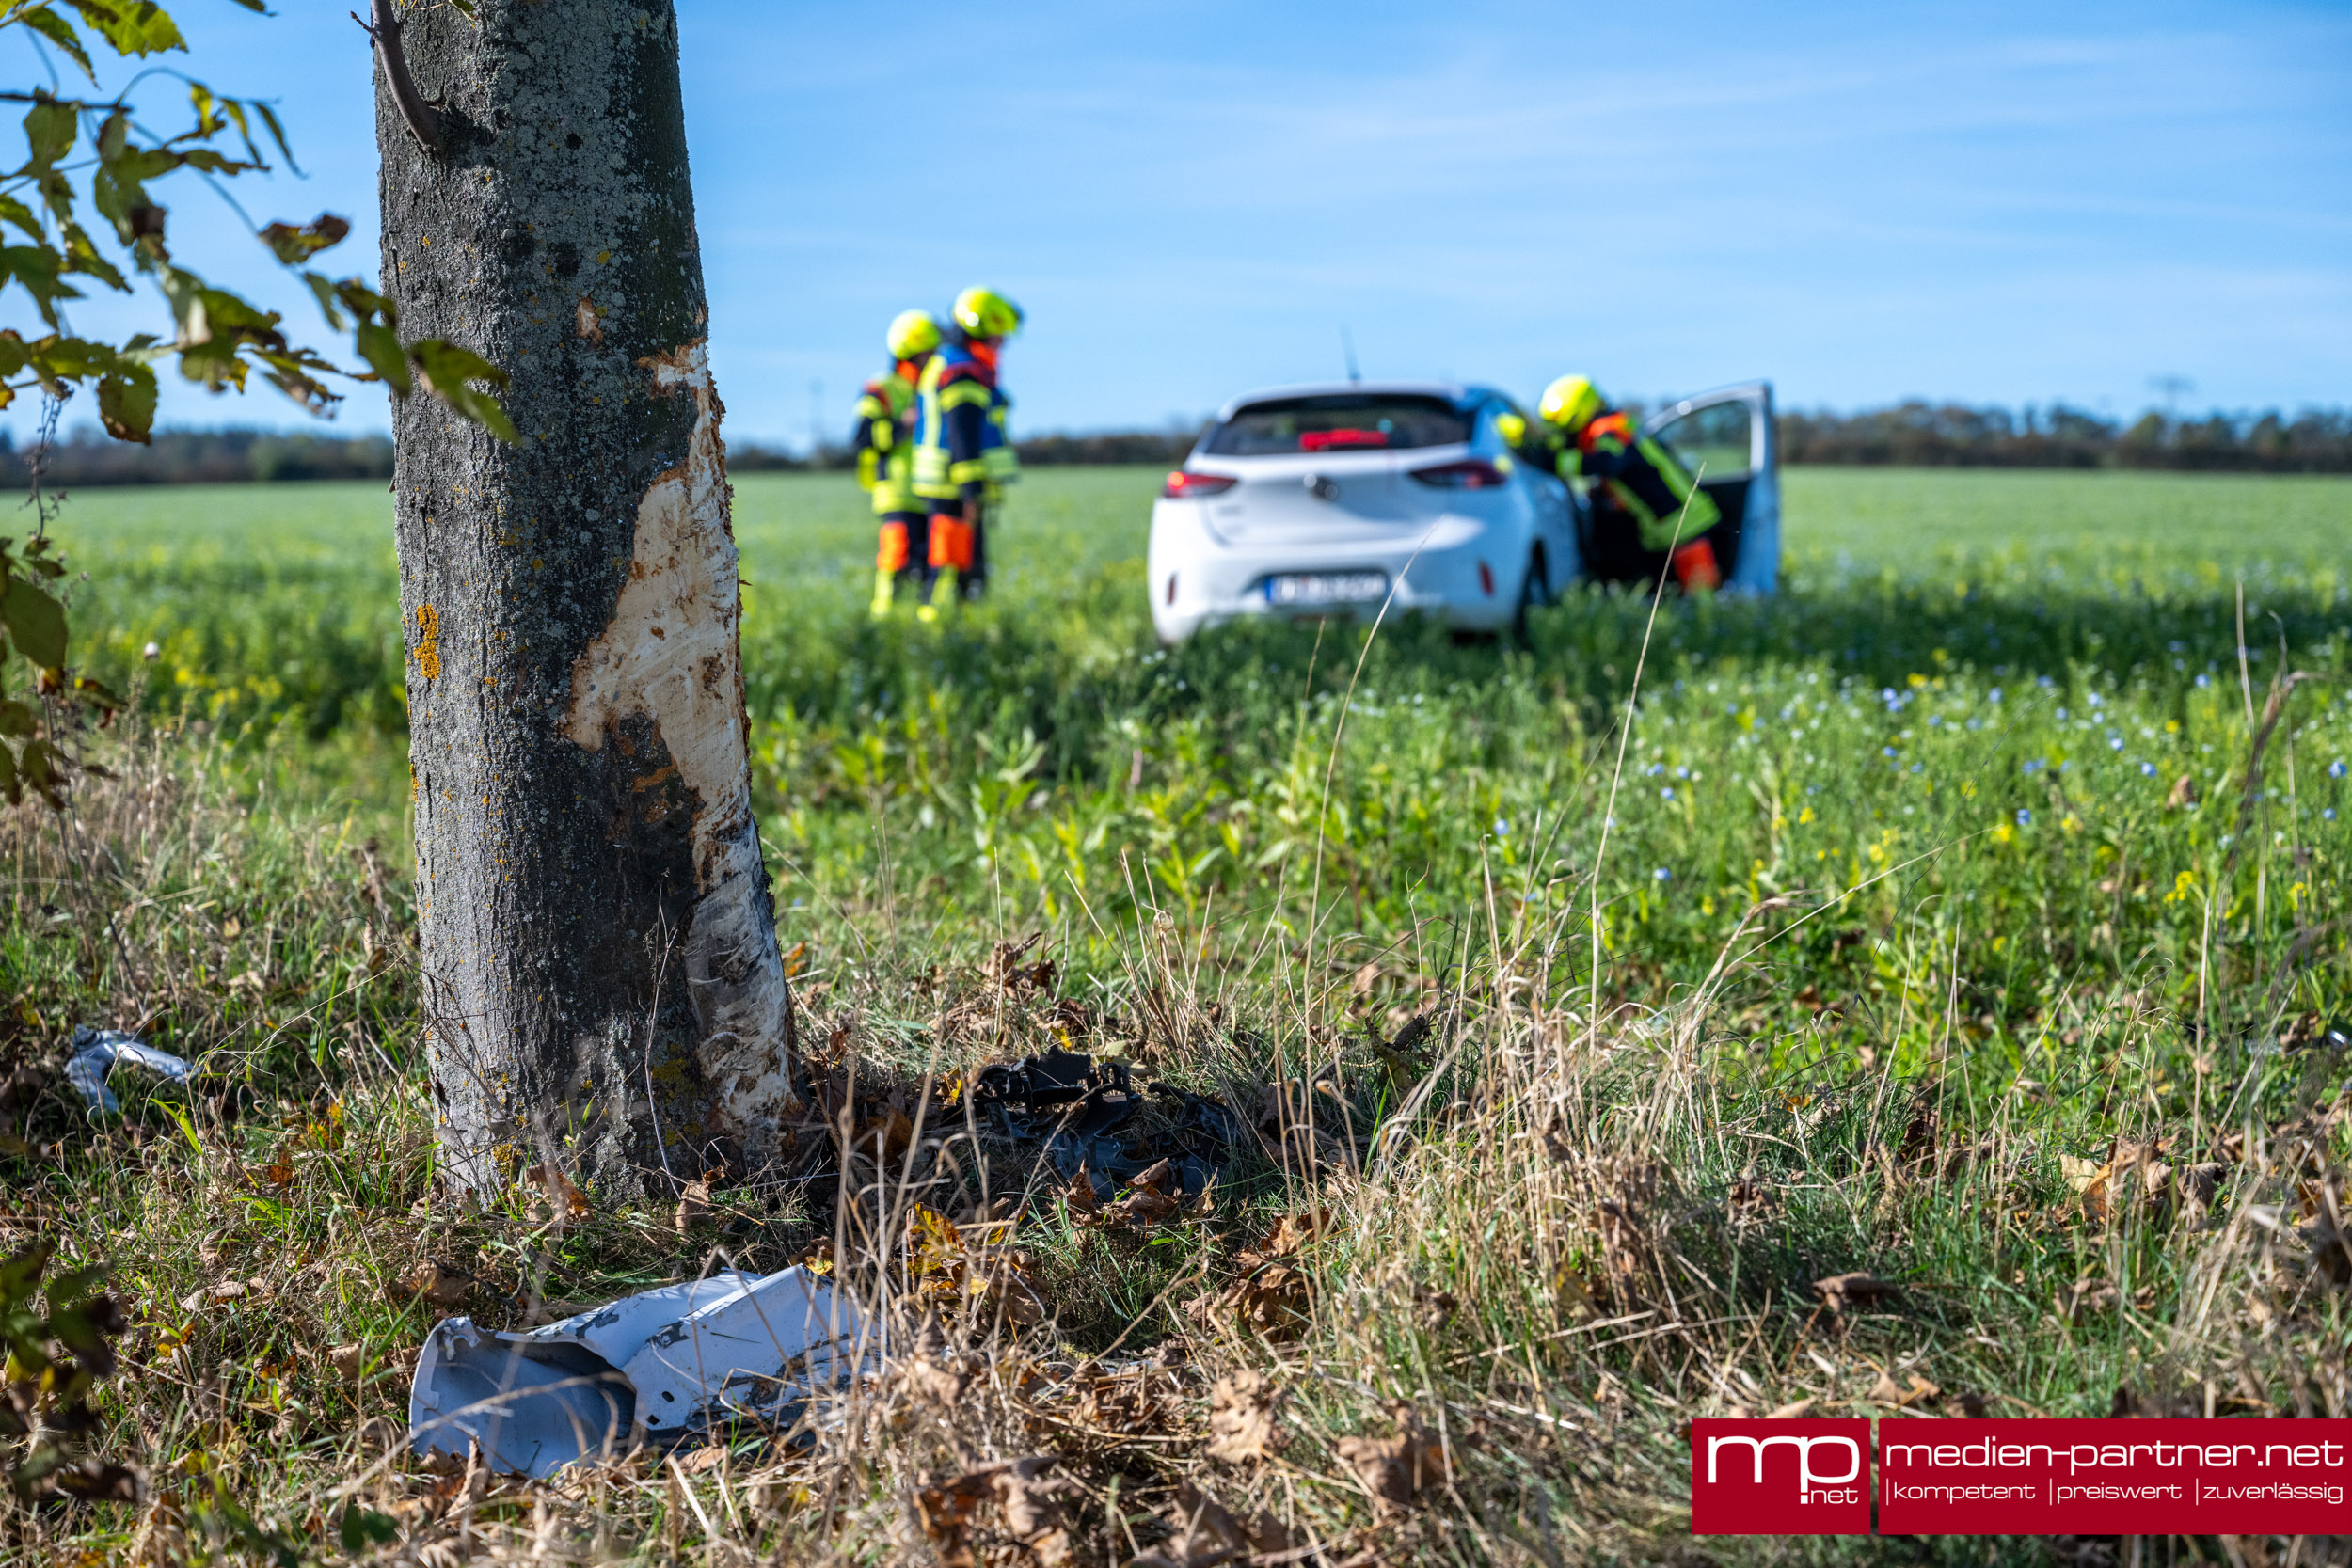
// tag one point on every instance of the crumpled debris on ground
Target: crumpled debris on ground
(96, 1051)
(651, 1368)
(1084, 1110)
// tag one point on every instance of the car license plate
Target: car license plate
(1319, 588)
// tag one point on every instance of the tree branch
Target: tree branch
(424, 121)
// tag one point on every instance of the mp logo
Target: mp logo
(1780, 1478)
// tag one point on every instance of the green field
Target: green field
(1940, 919)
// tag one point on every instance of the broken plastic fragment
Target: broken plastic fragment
(653, 1367)
(96, 1051)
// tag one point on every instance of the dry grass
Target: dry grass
(1453, 1302)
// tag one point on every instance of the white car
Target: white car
(1336, 498)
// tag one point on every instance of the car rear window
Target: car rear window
(1339, 421)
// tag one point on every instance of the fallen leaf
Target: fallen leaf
(703, 1459)
(1204, 1534)
(1146, 1202)
(1244, 1418)
(1791, 1411)
(1294, 1231)
(1841, 1290)
(1396, 1471)
(561, 1196)
(939, 1382)
(1030, 1506)
(441, 1284)
(349, 1361)
(224, 1292)
(693, 1204)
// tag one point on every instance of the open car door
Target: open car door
(1727, 439)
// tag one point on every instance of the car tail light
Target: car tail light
(1486, 579)
(1185, 485)
(1474, 473)
(1171, 587)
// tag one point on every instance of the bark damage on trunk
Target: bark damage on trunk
(602, 981)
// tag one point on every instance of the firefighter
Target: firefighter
(885, 443)
(963, 460)
(1633, 476)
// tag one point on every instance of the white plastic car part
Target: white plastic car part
(649, 1368)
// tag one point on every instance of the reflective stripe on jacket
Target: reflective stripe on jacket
(1640, 477)
(959, 444)
(886, 452)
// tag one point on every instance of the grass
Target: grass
(1944, 922)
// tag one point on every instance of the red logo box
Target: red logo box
(1780, 1478)
(2049, 1476)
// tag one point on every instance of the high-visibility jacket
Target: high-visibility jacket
(883, 441)
(961, 449)
(1639, 476)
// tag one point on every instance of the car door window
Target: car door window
(1713, 442)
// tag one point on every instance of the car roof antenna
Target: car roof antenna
(1347, 347)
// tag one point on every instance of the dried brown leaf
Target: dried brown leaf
(1204, 1534)
(1244, 1418)
(1294, 1231)
(438, 1283)
(694, 1205)
(1396, 1470)
(1841, 1290)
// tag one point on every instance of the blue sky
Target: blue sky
(1996, 202)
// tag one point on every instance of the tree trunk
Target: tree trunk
(602, 985)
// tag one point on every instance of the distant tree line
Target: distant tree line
(1924, 434)
(1917, 433)
(231, 456)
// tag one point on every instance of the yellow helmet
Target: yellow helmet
(1571, 402)
(912, 335)
(986, 314)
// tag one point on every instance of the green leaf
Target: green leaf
(34, 267)
(359, 1529)
(105, 696)
(82, 257)
(57, 30)
(37, 764)
(13, 353)
(9, 786)
(15, 718)
(126, 403)
(278, 135)
(365, 303)
(380, 345)
(13, 211)
(49, 132)
(132, 27)
(57, 360)
(295, 246)
(323, 292)
(36, 620)
(446, 371)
